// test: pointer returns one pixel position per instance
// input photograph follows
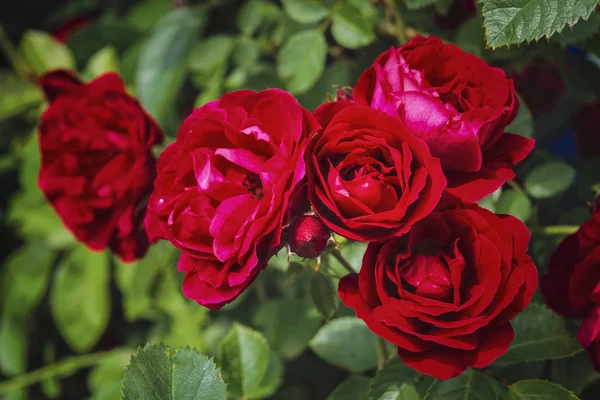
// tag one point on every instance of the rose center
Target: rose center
(427, 276)
(254, 185)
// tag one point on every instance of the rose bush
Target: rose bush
(457, 104)
(97, 164)
(572, 285)
(445, 292)
(224, 188)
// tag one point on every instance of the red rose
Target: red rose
(368, 177)
(541, 86)
(455, 102)
(97, 165)
(224, 188)
(586, 126)
(572, 285)
(445, 292)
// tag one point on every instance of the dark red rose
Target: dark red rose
(457, 104)
(368, 178)
(572, 285)
(70, 27)
(307, 236)
(540, 85)
(586, 125)
(445, 292)
(97, 165)
(224, 189)
(459, 12)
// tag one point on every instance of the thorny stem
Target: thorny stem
(338, 256)
(515, 186)
(64, 367)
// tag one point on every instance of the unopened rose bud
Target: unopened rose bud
(307, 236)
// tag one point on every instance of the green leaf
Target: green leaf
(539, 390)
(471, 37)
(489, 201)
(305, 11)
(288, 324)
(540, 334)
(44, 53)
(354, 388)
(582, 30)
(256, 13)
(144, 15)
(323, 294)
(251, 369)
(104, 60)
(523, 123)
(396, 380)
(211, 53)
(164, 59)
(515, 203)
(352, 252)
(13, 349)
(346, 343)
(549, 179)
(80, 297)
(471, 385)
(337, 74)
(301, 60)
(416, 4)
(18, 95)
(155, 373)
(573, 373)
(351, 28)
(509, 22)
(138, 281)
(246, 52)
(104, 380)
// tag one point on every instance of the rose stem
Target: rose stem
(62, 368)
(382, 354)
(338, 256)
(557, 230)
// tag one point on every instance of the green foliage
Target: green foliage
(104, 60)
(346, 343)
(352, 28)
(515, 203)
(540, 334)
(354, 388)
(509, 22)
(549, 179)
(18, 95)
(80, 299)
(416, 4)
(157, 373)
(250, 368)
(398, 381)
(163, 62)
(324, 295)
(539, 390)
(305, 11)
(471, 385)
(301, 61)
(104, 380)
(523, 123)
(43, 53)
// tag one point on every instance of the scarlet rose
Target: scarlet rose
(368, 177)
(455, 102)
(223, 190)
(97, 165)
(445, 292)
(541, 86)
(572, 285)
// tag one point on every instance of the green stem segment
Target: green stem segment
(557, 230)
(398, 22)
(382, 353)
(338, 256)
(65, 367)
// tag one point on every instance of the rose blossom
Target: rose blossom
(97, 166)
(368, 177)
(445, 292)
(224, 189)
(456, 103)
(572, 285)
